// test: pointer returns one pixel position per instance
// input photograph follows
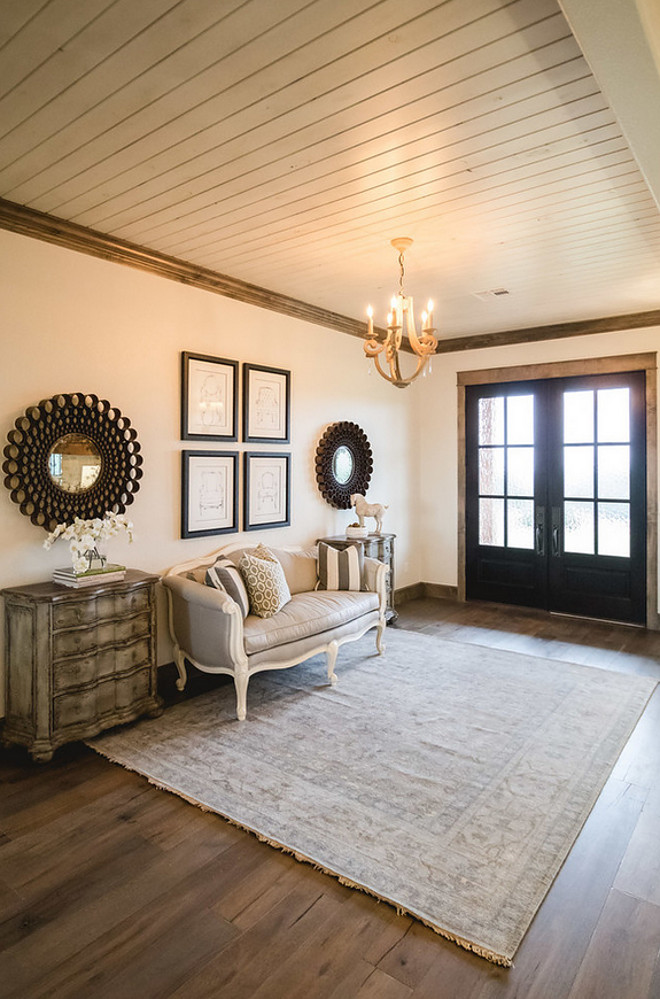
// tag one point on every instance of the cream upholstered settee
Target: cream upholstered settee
(208, 629)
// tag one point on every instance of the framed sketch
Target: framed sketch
(266, 404)
(267, 495)
(209, 398)
(209, 493)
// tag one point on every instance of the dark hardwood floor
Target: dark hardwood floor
(112, 888)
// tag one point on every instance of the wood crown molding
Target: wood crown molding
(29, 222)
(39, 225)
(558, 331)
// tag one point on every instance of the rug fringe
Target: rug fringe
(468, 945)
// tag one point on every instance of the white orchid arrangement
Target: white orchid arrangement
(84, 537)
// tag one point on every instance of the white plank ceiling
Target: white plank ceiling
(285, 142)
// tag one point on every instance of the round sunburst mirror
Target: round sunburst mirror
(73, 455)
(343, 463)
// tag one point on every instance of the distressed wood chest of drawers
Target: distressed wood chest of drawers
(78, 660)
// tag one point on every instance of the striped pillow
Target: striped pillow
(225, 576)
(340, 570)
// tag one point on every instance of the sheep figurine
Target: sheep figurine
(364, 509)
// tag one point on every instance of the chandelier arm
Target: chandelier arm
(421, 365)
(414, 340)
(381, 371)
(374, 347)
(395, 368)
(426, 345)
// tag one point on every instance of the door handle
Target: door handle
(539, 531)
(556, 518)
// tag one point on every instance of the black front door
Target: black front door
(556, 495)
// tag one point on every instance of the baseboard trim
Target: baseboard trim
(413, 592)
(417, 591)
(441, 591)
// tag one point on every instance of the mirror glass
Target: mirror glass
(343, 464)
(74, 463)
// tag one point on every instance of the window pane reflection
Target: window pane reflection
(520, 523)
(579, 470)
(614, 471)
(520, 471)
(491, 420)
(579, 527)
(578, 417)
(614, 529)
(491, 522)
(491, 470)
(520, 419)
(614, 414)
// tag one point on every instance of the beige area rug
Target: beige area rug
(448, 779)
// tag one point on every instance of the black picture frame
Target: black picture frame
(209, 398)
(207, 471)
(266, 503)
(266, 404)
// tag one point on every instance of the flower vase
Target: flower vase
(94, 559)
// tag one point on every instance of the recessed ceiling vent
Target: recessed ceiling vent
(484, 296)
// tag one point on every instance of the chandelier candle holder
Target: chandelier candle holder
(400, 322)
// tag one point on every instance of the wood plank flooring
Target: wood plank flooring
(112, 888)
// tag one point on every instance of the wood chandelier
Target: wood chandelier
(400, 321)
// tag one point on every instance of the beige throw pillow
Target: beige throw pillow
(265, 582)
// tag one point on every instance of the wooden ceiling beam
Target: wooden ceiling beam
(38, 225)
(29, 222)
(557, 331)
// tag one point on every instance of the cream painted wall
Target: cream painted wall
(438, 403)
(71, 323)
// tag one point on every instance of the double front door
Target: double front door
(556, 495)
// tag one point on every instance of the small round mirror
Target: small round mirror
(343, 464)
(74, 463)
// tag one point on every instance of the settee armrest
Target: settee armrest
(375, 580)
(206, 625)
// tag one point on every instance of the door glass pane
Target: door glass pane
(579, 527)
(520, 471)
(614, 471)
(491, 470)
(614, 529)
(578, 417)
(520, 419)
(579, 470)
(614, 414)
(520, 523)
(491, 522)
(491, 420)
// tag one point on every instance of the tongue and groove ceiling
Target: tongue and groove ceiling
(285, 143)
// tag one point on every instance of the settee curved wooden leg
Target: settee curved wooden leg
(380, 644)
(241, 685)
(180, 661)
(333, 649)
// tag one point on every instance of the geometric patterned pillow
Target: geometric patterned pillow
(266, 583)
(224, 575)
(340, 570)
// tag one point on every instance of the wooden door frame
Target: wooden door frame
(647, 362)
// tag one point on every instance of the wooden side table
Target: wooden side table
(78, 660)
(380, 546)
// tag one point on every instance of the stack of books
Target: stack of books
(93, 577)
